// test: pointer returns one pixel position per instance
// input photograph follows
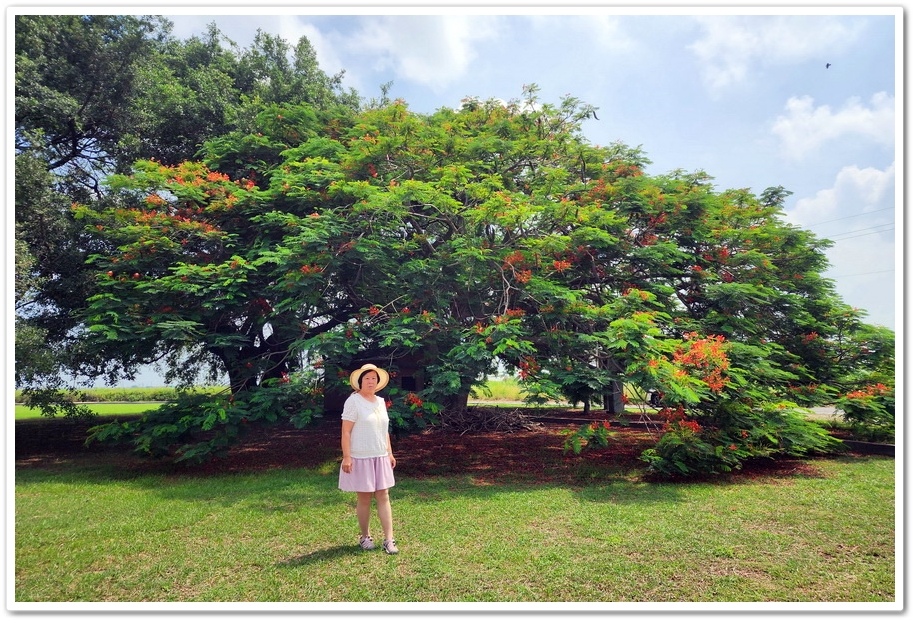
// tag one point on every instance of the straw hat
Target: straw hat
(382, 376)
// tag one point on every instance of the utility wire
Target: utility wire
(845, 237)
(841, 218)
(855, 231)
(874, 272)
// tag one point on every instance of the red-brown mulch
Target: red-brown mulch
(532, 456)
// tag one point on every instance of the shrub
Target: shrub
(721, 441)
(587, 436)
(195, 426)
(870, 412)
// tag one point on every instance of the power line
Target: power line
(855, 231)
(841, 218)
(874, 272)
(890, 227)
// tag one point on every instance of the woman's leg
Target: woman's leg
(383, 506)
(363, 508)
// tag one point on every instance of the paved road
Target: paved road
(826, 413)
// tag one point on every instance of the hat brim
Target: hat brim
(383, 377)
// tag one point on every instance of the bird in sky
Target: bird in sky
(828, 65)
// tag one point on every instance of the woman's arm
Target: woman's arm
(391, 453)
(346, 428)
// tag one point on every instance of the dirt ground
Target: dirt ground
(531, 455)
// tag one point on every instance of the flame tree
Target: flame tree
(492, 234)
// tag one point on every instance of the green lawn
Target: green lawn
(87, 532)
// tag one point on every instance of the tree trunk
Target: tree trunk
(613, 402)
(458, 402)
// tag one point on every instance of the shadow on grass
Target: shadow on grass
(321, 555)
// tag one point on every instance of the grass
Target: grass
(506, 389)
(103, 408)
(128, 394)
(87, 532)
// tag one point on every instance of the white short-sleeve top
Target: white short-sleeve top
(369, 438)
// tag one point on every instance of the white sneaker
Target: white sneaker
(366, 542)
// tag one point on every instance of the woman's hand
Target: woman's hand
(391, 459)
(346, 465)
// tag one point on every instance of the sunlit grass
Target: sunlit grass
(102, 408)
(89, 533)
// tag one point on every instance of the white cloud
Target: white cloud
(733, 47)
(858, 214)
(602, 31)
(325, 48)
(855, 191)
(606, 31)
(434, 51)
(431, 50)
(804, 127)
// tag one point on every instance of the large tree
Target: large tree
(95, 93)
(491, 234)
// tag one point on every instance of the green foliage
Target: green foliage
(55, 403)
(491, 237)
(95, 93)
(76, 77)
(870, 412)
(311, 229)
(682, 450)
(196, 426)
(587, 436)
(412, 410)
(49, 272)
(735, 433)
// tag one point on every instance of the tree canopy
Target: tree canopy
(95, 93)
(493, 234)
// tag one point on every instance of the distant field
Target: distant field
(105, 408)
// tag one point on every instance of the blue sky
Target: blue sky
(742, 94)
(747, 98)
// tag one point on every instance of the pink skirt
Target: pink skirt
(367, 475)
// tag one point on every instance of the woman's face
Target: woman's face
(370, 380)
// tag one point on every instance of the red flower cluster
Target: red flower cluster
(512, 259)
(510, 313)
(415, 404)
(683, 424)
(877, 389)
(672, 414)
(413, 400)
(216, 176)
(528, 365)
(707, 357)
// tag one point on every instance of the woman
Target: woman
(368, 463)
